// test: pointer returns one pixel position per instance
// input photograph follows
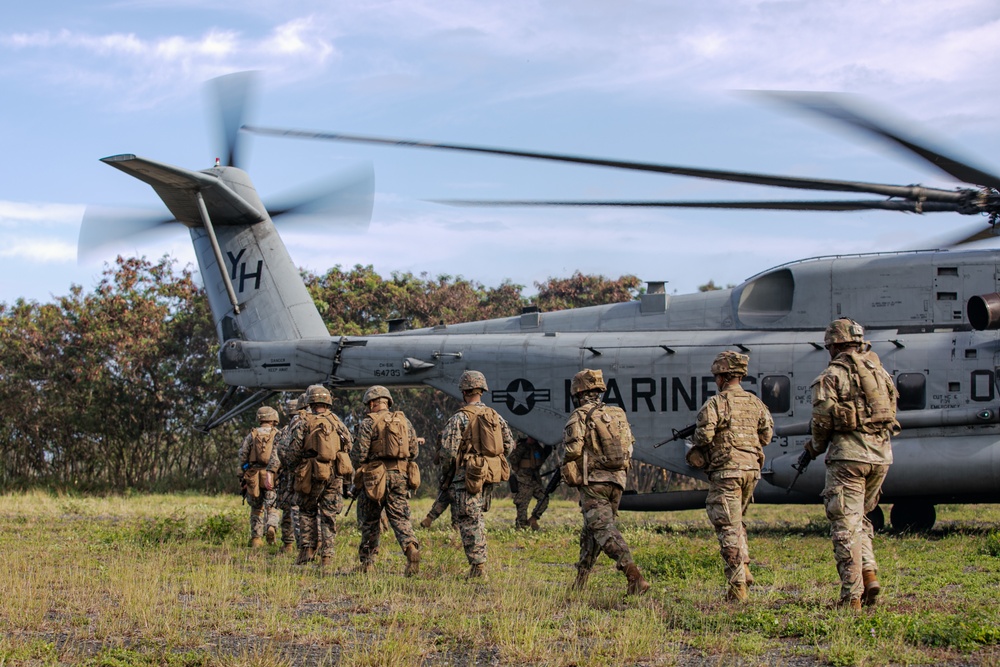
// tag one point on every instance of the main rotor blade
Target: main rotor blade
(833, 205)
(836, 107)
(232, 94)
(715, 174)
(104, 228)
(348, 199)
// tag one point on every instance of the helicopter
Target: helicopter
(933, 318)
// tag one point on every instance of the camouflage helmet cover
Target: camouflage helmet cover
(317, 393)
(587, 380)
(844, 330)
(376, 392)
(267, 414)
(730, 363)
(471, 380)
(301, 403)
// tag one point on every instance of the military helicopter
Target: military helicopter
(932, 316)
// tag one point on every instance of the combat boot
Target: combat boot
(412, 560)
(872, 588)
(364, 567)
(580, 582)
(477, 571)
(256, 543)
(738, 593)
(269, 535)
(306, 555)
(533, 522)
(287, 548)
(325, 562)
(749, 577)
(426, 523)
(854, 604)
(637, 585)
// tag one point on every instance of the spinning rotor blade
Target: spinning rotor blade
(232, 94)
(348, 199)
(715, 174)
(837, 107)
(832, 205)
(104, 228)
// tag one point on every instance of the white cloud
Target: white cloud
(39, 250)
(14, 213)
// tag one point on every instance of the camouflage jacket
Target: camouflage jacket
(835, 388)
(734, 426)
(452, 441)
(284, 437)
(363, 441)
(294, 449)
(273, 463)
(528, 455)
(579, 436)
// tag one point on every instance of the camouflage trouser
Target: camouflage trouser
(396, 504)
(599, 505)
(529, 485)
(285, 502)
(852, 491)
(441, 503)
(262, 512)
(318, 514)
(729, 494)
(468, 511)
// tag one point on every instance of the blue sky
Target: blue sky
(634, 80)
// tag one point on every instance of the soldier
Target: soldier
(386, 440)
(259, 463)
(443, 500)
(525, 461)
(318, 452)
(732, 428)
(599, 444)
(285, 501)
(474, 446)
(853, 417)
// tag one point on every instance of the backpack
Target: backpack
(484, 435)
(875, 404)
(261, 445)
(611, 438)
(321, 438)
(391, 436)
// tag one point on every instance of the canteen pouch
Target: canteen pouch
(344, 466)
(476, 469)
(373, 478)
(251, 482)
(572, 473)
(303, 478)
(412, 476)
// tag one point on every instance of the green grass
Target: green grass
(167, 580)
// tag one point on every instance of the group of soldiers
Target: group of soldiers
(307, 463)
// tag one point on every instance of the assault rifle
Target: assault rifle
(554, 482)
(352, 493)
(682, 434)
(805, 458)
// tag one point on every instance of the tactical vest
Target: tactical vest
(608, 438)
(739, 416)
(390, 436)
(873, 395)
(261, 445)
(321, 439)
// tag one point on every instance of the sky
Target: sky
(634, 80)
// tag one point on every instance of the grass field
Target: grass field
(167, 580)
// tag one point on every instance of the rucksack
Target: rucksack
(321, 437)
(261, 445)
(391, 436)
(484, 435)
(611, 439)
(877, 405)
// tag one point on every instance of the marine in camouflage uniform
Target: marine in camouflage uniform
(319, 508)
(285, 501)
(733, 427)
(443, 500)
(262, 513)
(853, 417)
(601, 490)
(396, 501)
(525, 463)
(468, 507)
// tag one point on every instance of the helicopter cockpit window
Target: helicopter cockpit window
(775, 391)
(912, 389)
(768, 298)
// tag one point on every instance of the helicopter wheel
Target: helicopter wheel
(877, 517)
(913, 516)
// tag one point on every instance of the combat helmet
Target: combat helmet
(376, 392)
(587, 380)
(844, 330)
(302, 403)
(472, 380)
(730, 363)
(267, 414)
(317, 393)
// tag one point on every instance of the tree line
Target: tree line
(100, 390)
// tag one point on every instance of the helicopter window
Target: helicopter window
(947, 296)
(775, 391)
(947, 271)
(982, 385)
(768, 298)
(912, 389)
